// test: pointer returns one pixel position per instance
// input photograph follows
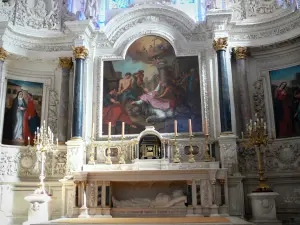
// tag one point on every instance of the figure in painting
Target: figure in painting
(125, 89)
(160, 102)
(31, 120)
(282, 111)
(113, 111)
(18, 110)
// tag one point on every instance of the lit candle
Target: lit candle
(28, 140)
(175, 127)
(93, 130)
(56, 143)
(84, 198)
(109, 129)
(190, 127)
(123, 129)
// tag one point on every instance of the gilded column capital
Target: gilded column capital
(220, 43)
(240, 52)
(3, 54)
(65, 62)
(80, 52)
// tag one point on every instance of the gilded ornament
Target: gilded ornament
(240, 52)
(65, 62)
(80, 52)
(3, 54)
(220, 43)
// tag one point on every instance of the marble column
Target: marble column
(220, 46)
(80, 54)
(66, 65)
(3, 55)
(243, 92)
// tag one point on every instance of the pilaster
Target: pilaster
(243, 92)
(66, 65)
(75, 155)
(228, 153)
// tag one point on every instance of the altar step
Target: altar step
(149, 221)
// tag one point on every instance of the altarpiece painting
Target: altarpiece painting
(22, 115)
(285, 86)
(151, 87)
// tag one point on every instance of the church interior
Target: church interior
(150, 112)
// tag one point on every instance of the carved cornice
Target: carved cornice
(65, 62)
(80, 52)
(240, 52)
(3, 54)
(220, 43)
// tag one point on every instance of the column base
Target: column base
(264, 208)
(214, 211)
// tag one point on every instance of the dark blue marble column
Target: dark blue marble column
(80, 54)
(220, 45)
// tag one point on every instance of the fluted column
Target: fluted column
(220, 46)
(3, 55)
(66, 65)
(240, 55)
(80, 54)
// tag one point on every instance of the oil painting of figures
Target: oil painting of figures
(22, 112)
(286, 101)
(151, 87)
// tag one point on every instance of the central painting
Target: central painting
(151, 87)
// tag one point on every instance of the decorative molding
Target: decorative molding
(66, 62)
(259, 99)
(220, 43)
(3, 54)
(53, 111)
(240, 52)
(80, 52)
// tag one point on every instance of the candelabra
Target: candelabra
(257, 137)
(43, 144)
(108, 157)
(176, 157)
(122, 160)
(191, 155)
(206, 153)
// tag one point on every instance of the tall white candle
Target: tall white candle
(206, 127)
(175, 127)
(93, 130)
(109, 129)
(190, 127)
(123, 129)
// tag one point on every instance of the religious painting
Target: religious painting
(285, 86)
(151, 87)
(22, 111)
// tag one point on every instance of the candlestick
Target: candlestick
(190, 127)
(175, 127)
(93, 131)
(109, 129)
(206, 127)
(123, 129)
(242, 135)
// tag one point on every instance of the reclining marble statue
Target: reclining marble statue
(177, 199)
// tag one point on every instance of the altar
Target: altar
(148, 176)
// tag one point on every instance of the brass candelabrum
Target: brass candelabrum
(191, 155)
(108, 157)
(122, 156)
(207, 157)
(256, 137)
(43, 144)
(176, 156)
